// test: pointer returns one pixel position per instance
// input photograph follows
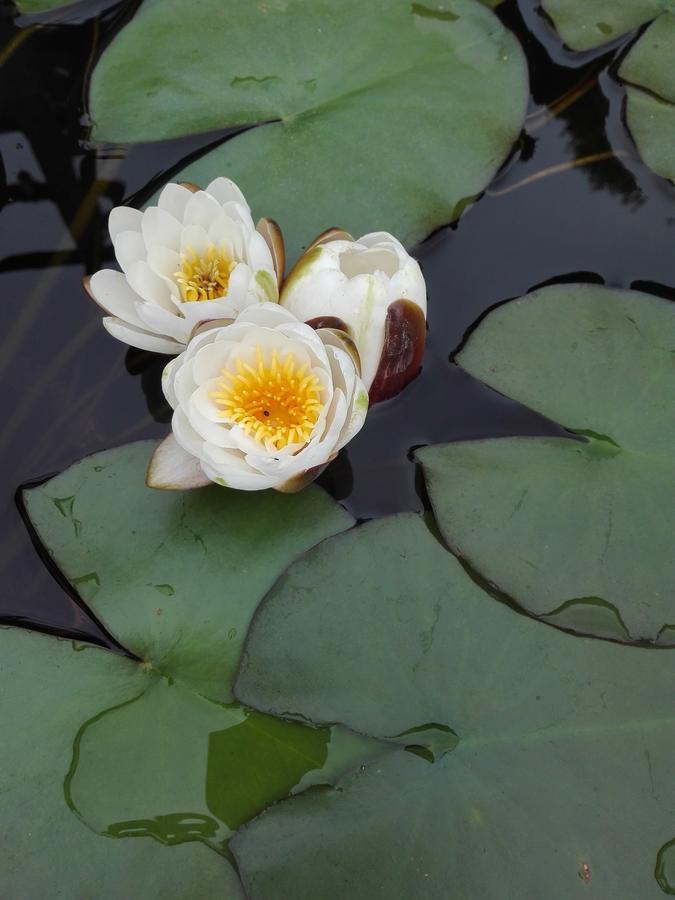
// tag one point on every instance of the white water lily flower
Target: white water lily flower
(266, 402)
(194, 257)
(375, 291)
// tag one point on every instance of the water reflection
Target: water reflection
(70, 384)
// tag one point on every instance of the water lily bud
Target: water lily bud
(194, 257)
(372, 289)
(264, 402)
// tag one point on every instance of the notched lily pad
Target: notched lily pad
(581, 532)
(559, 741)
(358, 106)
(152, 747)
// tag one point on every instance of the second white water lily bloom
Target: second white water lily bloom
(375, 291)
(266, 402)
(194, 257)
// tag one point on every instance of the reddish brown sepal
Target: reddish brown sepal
(327, 322)
(405, 331)
(190, 186)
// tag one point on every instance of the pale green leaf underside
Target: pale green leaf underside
(649, 70)
(585, 531)
(386, 115)
(562, 769)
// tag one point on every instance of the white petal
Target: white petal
(268, 315)
(241, 479)
(160, 228)
(173, 200)
(141, 339)
(111, 290)
(162, 322)
(185, 434)
(201, 209)
(164, 261)
(258, 253)
(194, 239)
(129, 248)
(225, 190)
(173, 469)
(124, 218)
(149, 285)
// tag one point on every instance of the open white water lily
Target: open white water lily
(373, 290)
(195, 257)
(265, 402)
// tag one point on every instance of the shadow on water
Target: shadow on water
(574, 202)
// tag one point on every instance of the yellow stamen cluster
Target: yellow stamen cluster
(204, 277)
(276, 403)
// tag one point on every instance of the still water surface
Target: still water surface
(573, 203)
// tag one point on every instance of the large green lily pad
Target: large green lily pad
(560, 782)
(175, 576)
(383, 115)
(581, 531)
(649, 70)
(148, 747)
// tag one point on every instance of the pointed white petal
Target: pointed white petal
(135, 337)
(111, 290)
(173, 200)
(124, 218)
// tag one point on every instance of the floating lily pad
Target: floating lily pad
(146, 748)
(175, 576)
(649, 70)
(559, 784)
(383, 115)
(581, 531)
(587, 24)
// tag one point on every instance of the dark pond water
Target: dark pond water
(574, 203)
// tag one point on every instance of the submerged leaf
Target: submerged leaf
(581, 531)
(384, 115)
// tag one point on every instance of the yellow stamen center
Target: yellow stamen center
(276, 403)
(204, 277)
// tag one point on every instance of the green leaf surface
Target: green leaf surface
(104, 746)
(587, 24)
(649, 70)
(175, 576)
(49, 691)
(385, 115)
(560, 781)
(580, 531)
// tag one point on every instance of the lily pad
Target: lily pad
(649, 70)
(146, 747)
(579, 531)
(384, 115)
(560, 781)
(587, 24)
(175, 576)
